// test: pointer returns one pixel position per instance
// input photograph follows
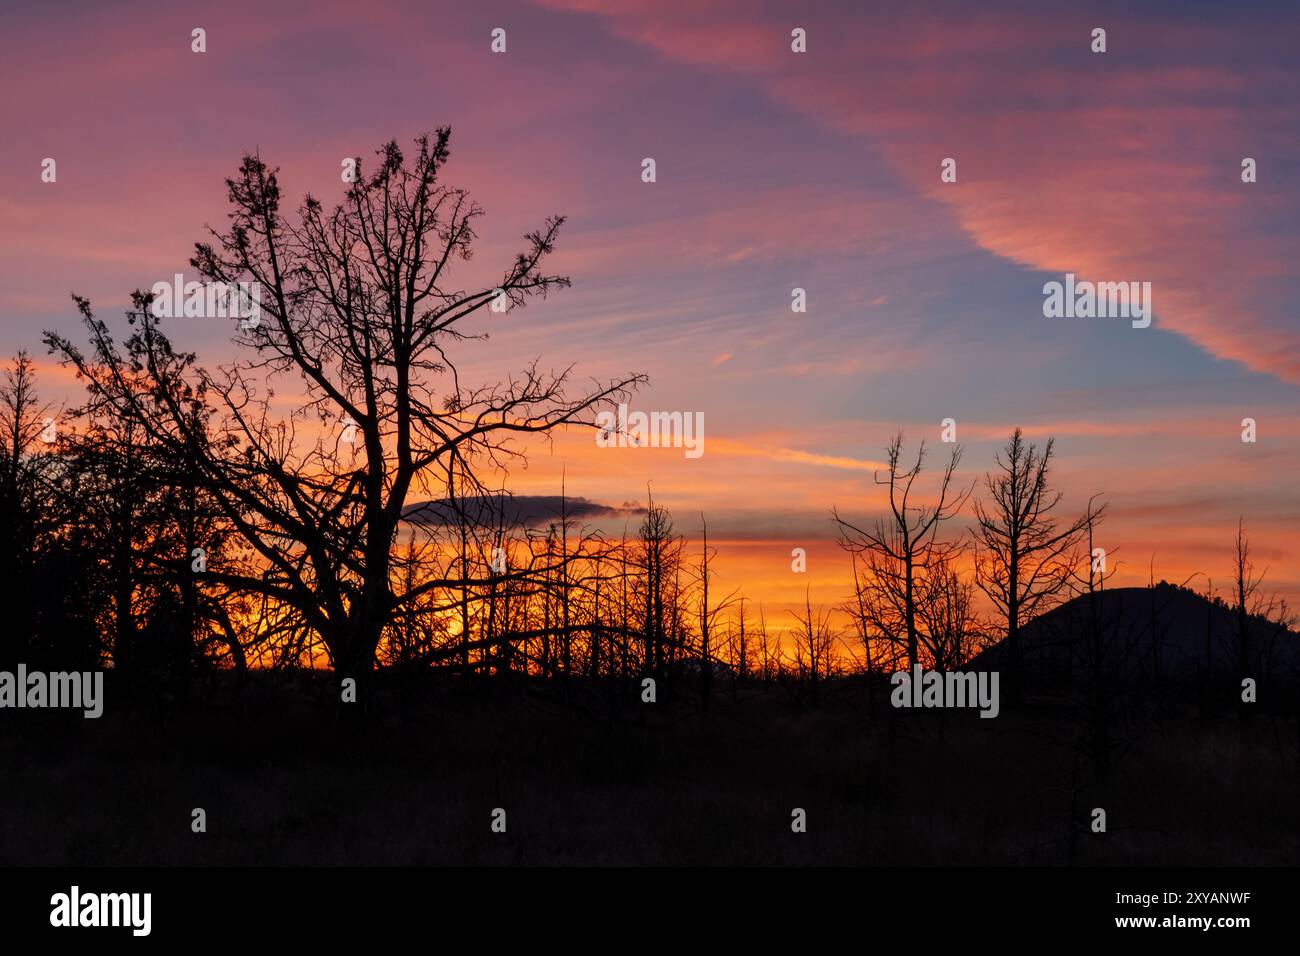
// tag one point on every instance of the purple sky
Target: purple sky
(775, 170)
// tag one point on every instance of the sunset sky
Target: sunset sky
(775, 170)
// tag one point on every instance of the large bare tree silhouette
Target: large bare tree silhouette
(357, 310)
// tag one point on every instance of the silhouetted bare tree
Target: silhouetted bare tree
(358, 311)
(952, 632)
(1023, 552)
(902, 547)
(814, 640)
(659, 557)
(1259, 617)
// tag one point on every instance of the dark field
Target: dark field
(285, 779)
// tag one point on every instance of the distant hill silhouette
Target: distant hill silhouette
(1164, 632)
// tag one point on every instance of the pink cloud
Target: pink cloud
(1116, 166)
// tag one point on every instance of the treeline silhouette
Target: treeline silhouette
(121, 554)
(179, 521)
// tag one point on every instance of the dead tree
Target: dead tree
(902, 547)
(358, 311)
(1021, 547)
